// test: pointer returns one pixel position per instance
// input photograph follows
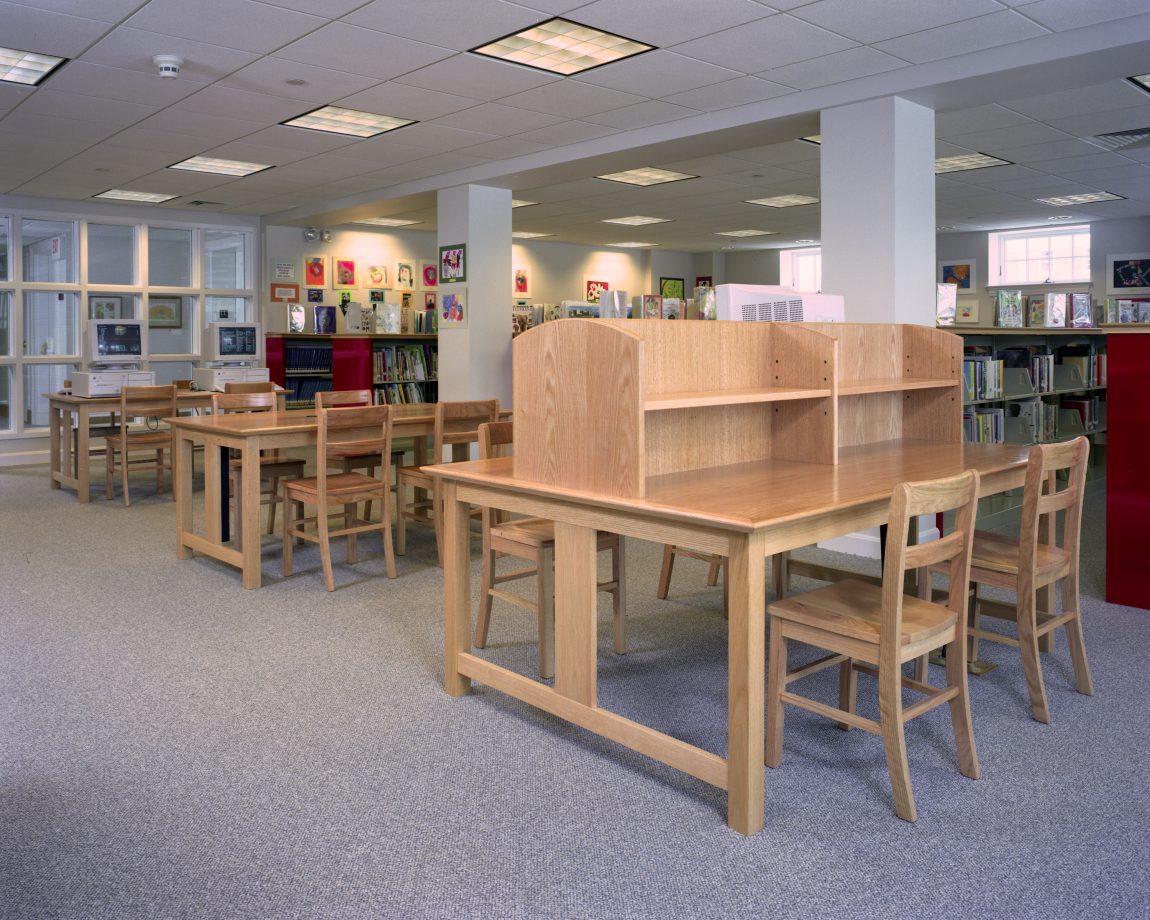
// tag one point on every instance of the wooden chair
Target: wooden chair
(533, 540)
(157, 402)
(256, 386)
(274, 465)
(877, 629)
(456, 426)
(1037, 562)
(716, 565)
(327, 491)
(351, 461)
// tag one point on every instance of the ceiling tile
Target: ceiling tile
(978, 118)
(961, 38)
(247, 152)
(45, 32)
(258, 108)
(485, 79)
(209, 129)
(12, 95)
(495, 118)
(103, 10)
(666, 22)
(405, 101)
(97, 80)
(1104, 177)
(870, 21)
(48, 149)
(1013, 136)
(299, 139)
(243, 24)
(834, 68)
(438, 137)
(1038, 154)
(113, 113)
(362, 51)
(569, 132)
(172, 145)
(1105, 122)
(641, 115)
(1079, 100)
(719, 96)
(507, 147)
(182, 182)
(471, 24)
(271, 74)
(332, 9)
(657, 73)
(779, 40)
(1062, 15)
(47, 127)
(571, 99)
(133, 49)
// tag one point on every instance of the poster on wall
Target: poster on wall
(315, 271)
(592, 289)
(452, 264)
(344, 272)
(521, 285)
(671, 287)
(429, 272)
(959, 272)
(453, 308)
(284, 293)
(284, 270)
(377, 276)
(405, 276)
(1128, 275)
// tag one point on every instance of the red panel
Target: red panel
(1127, 469)
(351, 364)
(274, 356)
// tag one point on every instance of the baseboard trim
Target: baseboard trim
(23, 457)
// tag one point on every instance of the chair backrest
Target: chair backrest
(495, 439)
(256, 386)
(325, 399)
(182, 384)
(955, 493)
(365, 428)
(457, 423)
(1043, 498)
(247, 402)
(140, 402)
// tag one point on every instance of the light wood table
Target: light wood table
(68, 462)
(746, 512)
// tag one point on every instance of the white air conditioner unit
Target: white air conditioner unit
(769, 303)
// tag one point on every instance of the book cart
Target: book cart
(742, 439)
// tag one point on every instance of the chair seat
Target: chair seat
(341, 484)
(854, 609)
(538, 532)
(142, 439)
(364, 448)
(996, 553)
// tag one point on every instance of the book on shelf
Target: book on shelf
(297, 317)
(1008, 309)
(672, 308)
(983, 425)
(1081, 311)
(945, 304)
(1128, 310)
(982, 377)
(324, 320)
(1087, 407)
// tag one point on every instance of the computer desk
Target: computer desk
(746, 512)
(66, 452)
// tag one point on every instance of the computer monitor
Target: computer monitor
(233, 343)
(115, 341)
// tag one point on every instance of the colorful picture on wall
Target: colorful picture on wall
(429, 272)
(315, 295)
(452, 264)
(405, 276)
(453, 310)
(704, 281)
(407, 298)
(957, 272)
(344, 271)
(671, 287)
(376, 295)
(105, 307)
(521, 286)
(429, 301)
(377, 276)
(592, 289)
(165, 312)
(1128, 274)
(315, 271)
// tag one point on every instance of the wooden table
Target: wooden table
(746, 512)
(68, 462)
(248, 434)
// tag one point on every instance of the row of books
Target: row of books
(981, 378)
(983, 425)
(1051, 310)
(301, 390)
(1089, 409)
(394, 394)
(1091, 367)
(315, 359)
(1128, 309)
(405, 362)
(1039, 419)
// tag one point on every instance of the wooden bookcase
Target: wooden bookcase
(603, 405)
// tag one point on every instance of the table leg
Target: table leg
(746, 651)
(215, 479)
(575, 613)
(83, 455)
(182, 485)
(456, 587)
(248, 504)
(55, 429)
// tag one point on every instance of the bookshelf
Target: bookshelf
(306, 364)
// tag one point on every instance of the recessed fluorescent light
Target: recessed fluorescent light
(636, 221)
(334, 120)
(26, 67)
(646, 175)
(744, 233)
(632, 245)
(784, 201)
(517, 203)
(806, 241)
(220, 167)
(965, 161)
(1085, 198)
(1142, 81)
(1061, 217)
(563, 47)
(943, 229)
(121, 194)
(528, 234)
(387, 222)
(816, 139)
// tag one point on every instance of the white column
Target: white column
(475, 359)
(877, 199)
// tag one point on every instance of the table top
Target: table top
(752, 496)
(256, 423)
(68, 399)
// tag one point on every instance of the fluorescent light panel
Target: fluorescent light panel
(528, 234)
(517, 203)
(336, 120)
(1085, 198)
(563, 47)
(632, 245)
(784, 201)
(387, 222)
(122, 194)
(219, 167)
(745, 233)
(816, 139)
(636, 221)
(646, 175)
(965, 161)
(1142, 81)
(26, 67)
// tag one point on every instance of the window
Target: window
(49, 251)
(802, 269)
(1044, 255)
(5, 223)
(169, 257)
(111, 254)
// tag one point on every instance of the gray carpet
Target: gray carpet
(172, 746)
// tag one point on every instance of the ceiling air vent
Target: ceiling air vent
(1121, 140)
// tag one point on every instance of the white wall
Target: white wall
(558, 271)
(754, 266)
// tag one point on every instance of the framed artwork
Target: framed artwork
(592, 289)
(429, 272)
(1128, 275)
(671, 287)
(344, 273)
(452, 264)
(453, 308)
(704, 281)
(377, 295)
(315, 271)
(405, 276)
(315, 295)
(377, 276)
(959, 272)
(284, 293)
(165, 312)
(966, 311)
(284, 270)
(429, 301)
(521, 286)
(105, 307)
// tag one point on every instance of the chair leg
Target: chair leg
(388, 543)
(124, 457)
(160, 471)
(780, 566)
(848, 690)
(776, 680)
(273, 500)
(960, 709)
(546, 611)
(1031, 665)
(438, 522)
(925, 592)
(713, 571)
(619, 595)
(352, 538)
(1074, 638)
(975, 621)
(325, 548)
(289, 526)
(109, 471)
(400, 523)
(483, 620)
(237, 511)
(893, 730)
(665, 572)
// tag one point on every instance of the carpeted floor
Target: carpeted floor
(173, 746)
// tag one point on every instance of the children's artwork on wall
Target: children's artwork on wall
(376, 295)
(453, 311)
(959, 272)
(671, 287)
(315, 295)
(377, 276)
(704, 281)
(592, 289)
(405, 276)
(315, 271)
(429, 272)
(452, 264)
(521, 287)
(344, 273)
(407, 298)
(1128, 275)
(429, 301)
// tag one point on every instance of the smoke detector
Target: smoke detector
(168, 65)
